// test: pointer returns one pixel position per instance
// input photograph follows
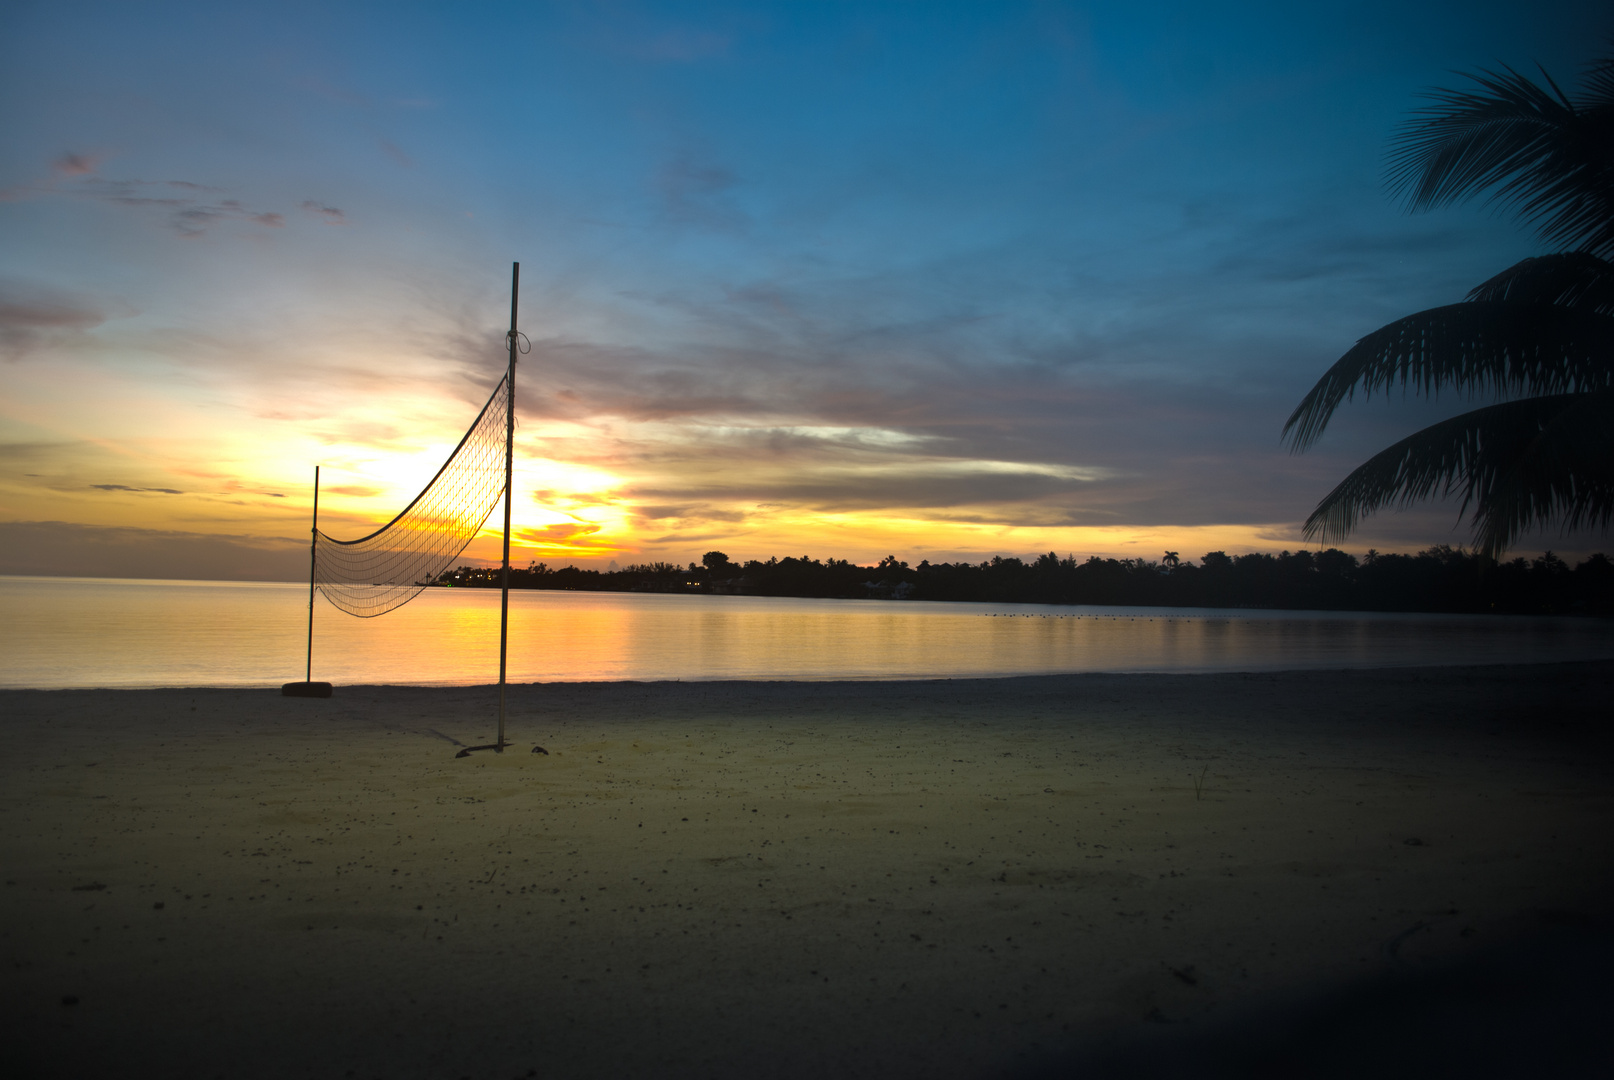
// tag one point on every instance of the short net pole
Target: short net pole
(308, 687)
(509, 460)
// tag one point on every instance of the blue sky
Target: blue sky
(944, 280)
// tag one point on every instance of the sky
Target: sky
(938, 280)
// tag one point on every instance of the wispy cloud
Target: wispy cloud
(73, 164)
(186, 204)
(190, 208)
(31, 316)
(126, 487)
(195, 220)
(67, 166)
(396, 153)
(686, 513)
(330, 215)
(695, 192)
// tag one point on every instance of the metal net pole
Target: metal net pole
(509, 460)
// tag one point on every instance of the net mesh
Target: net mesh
(385, 570)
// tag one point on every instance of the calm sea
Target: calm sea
(95, 632)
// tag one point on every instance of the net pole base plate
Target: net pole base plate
(306, 689)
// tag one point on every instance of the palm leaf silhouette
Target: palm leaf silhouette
(1575, 279)
(1538, 337)
(1479, 346)
(1517, 463)
(1549, 159)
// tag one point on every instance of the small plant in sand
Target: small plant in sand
(1199, 783)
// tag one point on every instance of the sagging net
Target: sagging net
(385, 570)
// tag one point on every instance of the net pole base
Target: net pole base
(466, 751)
(306, 689)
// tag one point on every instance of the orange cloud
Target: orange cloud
(568, 537)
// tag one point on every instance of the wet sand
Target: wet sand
(955, 878)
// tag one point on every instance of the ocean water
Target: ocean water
(96, 632)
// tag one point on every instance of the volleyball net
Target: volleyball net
(381, 572)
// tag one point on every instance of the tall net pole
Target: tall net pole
(313, 557)
(509, 461)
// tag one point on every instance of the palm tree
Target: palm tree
(1538, 337)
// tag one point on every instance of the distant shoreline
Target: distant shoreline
(1439, 579)
(1576, 611)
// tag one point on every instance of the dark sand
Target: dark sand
(964, 878)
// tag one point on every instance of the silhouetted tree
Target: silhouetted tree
(1441, 578)
(1539, 336)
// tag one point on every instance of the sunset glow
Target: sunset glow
(1013, 280)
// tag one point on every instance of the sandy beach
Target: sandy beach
(951, 878)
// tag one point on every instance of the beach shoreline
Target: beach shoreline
(941, 878)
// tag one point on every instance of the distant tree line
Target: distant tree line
(1441, 578)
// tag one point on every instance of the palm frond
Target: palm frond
(1546, 157)
(1599, 84)
(1575, 279)
(1496, 346)
(1519, 464)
